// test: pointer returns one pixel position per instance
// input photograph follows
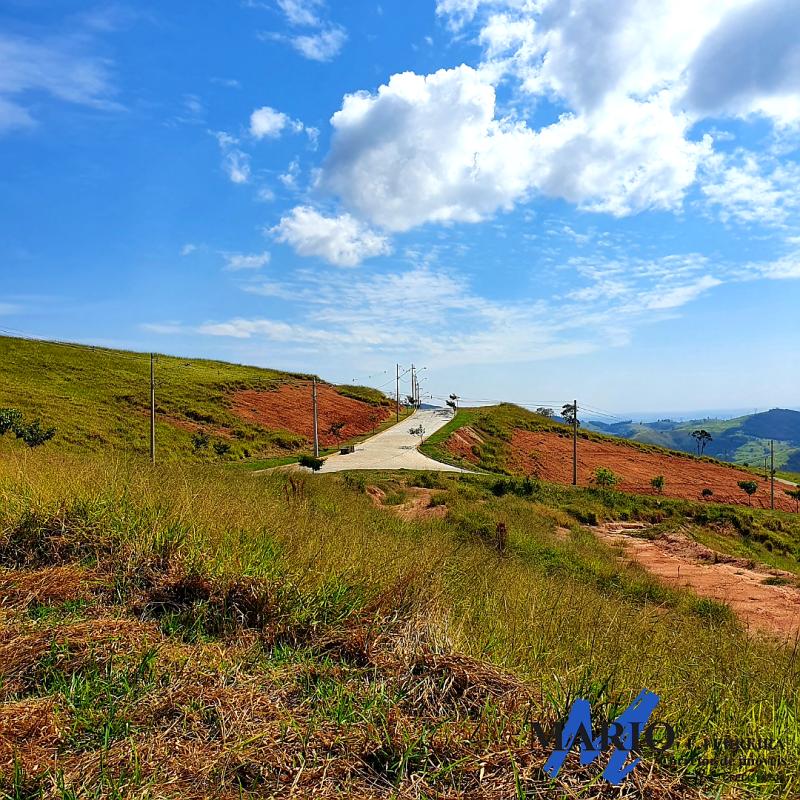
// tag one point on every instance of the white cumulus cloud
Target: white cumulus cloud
(340, 240)
(266, 122)
(433, 149)
(427, 148)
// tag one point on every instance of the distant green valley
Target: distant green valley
(742, 440)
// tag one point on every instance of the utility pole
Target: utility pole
(397, 390)
(152, 409)
(413, 387)
(772, 474)
(316, 425)
(575, 443)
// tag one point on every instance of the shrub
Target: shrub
(222, 448)
(34, 434)
(658, 483)
(311, 462)
(10, 418)
(706, 493)
(200, 440)
(604, 478)
(499, 488)
(355, 481)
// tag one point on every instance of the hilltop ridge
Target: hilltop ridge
(741, 440)
(98, 399)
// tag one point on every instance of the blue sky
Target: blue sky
(535, 199)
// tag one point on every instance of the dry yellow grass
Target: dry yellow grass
(281, 637)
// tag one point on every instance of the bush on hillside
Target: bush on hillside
(10, 418)
(311, 462)
(200, 440)
(749, 488)
(33, 434)
(605, 478)
(222, 448)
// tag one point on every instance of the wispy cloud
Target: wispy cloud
(751, 189)
(235, 161)
(63, 67)
(235, 262)
(321, 41)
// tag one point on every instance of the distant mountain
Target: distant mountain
(742, 440)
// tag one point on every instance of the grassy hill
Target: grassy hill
(99, 399)
(509, 440)
(742, 440)
(191, 631)
(496, 425)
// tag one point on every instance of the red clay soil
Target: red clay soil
(289, 408)
(461, 442)
(678, 561)
(549, 457)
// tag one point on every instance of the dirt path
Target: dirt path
(417, 506)
(681, 562)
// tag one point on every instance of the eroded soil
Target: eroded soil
(290, 408)
(749, 590)
(549, 456)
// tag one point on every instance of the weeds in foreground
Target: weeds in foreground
(302, 635)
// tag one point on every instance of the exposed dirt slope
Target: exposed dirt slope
(679, 561)
(289, 408)
(549, 456)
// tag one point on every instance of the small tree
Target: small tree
(568, 415)
(749, 488)
(706, 493)
(795, 495)
(546, 412)
(418, 431)
(658, 483)
(604, 478)
(452, 401)
(335, 430)
(701, 438)
(311, 462)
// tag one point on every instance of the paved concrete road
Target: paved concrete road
(395, 448)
